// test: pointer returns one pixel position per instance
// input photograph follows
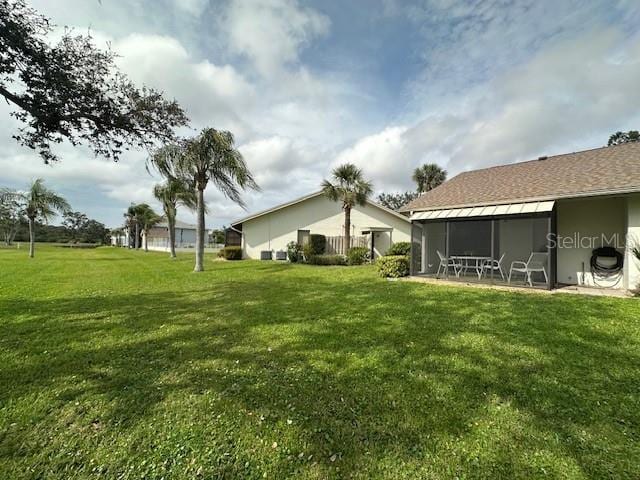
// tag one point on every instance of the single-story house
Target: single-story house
(372, 225)
(159, 236)
(570, 219)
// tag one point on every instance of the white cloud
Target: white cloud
(272, 32)
(569, 96)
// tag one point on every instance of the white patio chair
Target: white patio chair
(494, 265)
(445, 263)
(536, 263)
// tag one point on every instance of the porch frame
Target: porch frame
(552, 222)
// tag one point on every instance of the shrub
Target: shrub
(357, 255)
(231, 253)
(400, 248)
(326, 260)
(294, 252)
(393, 266)
(317, 244)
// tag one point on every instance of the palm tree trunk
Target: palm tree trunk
(172, 236)
(347, 229)
(199, 232)
(136, 243)
(146, 244)
(32, 237)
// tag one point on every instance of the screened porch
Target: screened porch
(512, 248)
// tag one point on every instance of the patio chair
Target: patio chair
(494, 265)
(536, 263)
(445, 263)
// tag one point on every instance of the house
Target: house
(570, 219)
(372, 225)
(159, 236)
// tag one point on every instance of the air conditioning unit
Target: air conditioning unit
(281, 255)
(266, 255)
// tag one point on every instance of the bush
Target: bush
(294, 252)
(400, 248)
(357, 255)
(231, 253)
(393, 266)
(326, 260)
(317, 244)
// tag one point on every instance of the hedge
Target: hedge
(326, 260)
(317, 244)
(400, 248)
(357, 255)
(231, 253)
(393, 266)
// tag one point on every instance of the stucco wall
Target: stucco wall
(632, 264)
(588, 218)
(275, 230)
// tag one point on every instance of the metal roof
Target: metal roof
(485, 211)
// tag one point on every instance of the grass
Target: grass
(121, 364)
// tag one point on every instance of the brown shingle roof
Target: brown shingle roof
(591, 172)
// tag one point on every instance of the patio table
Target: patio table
(471, 261)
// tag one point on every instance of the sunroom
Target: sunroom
(500, 244)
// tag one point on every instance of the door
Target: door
(303, 237)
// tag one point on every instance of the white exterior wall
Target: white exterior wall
(273, 231)
(632, 264)
(587, 218)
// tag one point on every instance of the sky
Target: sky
(385, 84)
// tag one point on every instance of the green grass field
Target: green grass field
(121, 364)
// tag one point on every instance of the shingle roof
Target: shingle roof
(179, 224)
(605, 170)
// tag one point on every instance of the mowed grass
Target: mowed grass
(120, 364)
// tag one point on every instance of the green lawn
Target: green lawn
(120, 364)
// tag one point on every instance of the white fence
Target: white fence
(335, 245)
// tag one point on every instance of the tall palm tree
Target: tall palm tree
(209, 157)
(428, 177)
(170, 194)
(350, 188)
(40, 203)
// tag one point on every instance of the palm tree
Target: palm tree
(170, 194)
(40, 203)
(428, 177)
(132, 221)
(350, 188)
(147, 219)
(209, 157)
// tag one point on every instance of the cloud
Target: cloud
(280, 162)
(571, 95)
(272, 32)
(210, 93)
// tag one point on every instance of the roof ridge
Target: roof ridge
(549, 157)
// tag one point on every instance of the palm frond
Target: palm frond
(348, 186)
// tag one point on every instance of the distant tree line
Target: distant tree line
(25, 213)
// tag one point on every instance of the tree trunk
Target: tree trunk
(347, 229)
(136, 241)
(146, 247)
(200, 232)
(32, 237)
(171, 221)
